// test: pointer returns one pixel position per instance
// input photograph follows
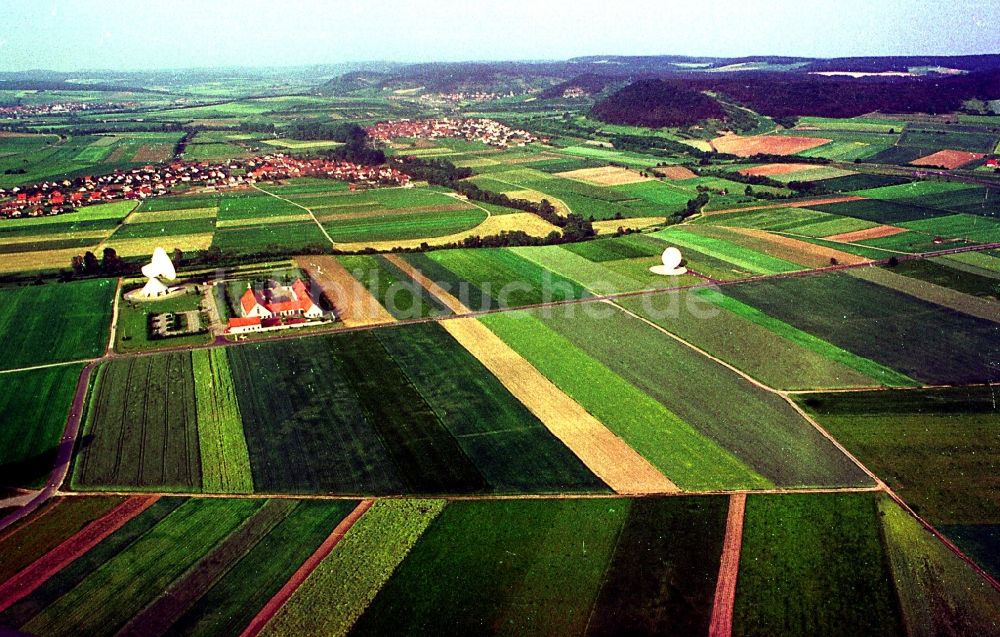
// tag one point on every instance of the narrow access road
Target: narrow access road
(64, 452)
(311, 214)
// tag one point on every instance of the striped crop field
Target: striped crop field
(225, 461)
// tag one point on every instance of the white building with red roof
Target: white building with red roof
(274, 304)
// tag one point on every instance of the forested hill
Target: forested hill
(657, 103)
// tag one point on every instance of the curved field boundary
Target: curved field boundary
(29, 579)
(604, 453)
(354, 304)
(272, 607)
(729, 569)
(435, 290)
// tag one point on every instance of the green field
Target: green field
(373, 413)
(275, 238)
(346, 582)
(738, 256)
(762, 433)
(691, 460)
(55, 322)
(393, 288)
(768, 349)
(495, 278)
(234, 557)
(225, 462)
(33, 409)
(938, 593)
(922, 340)
(400, 226)
(814, 565)
(527, 567)
(140, 428)
(937, 447)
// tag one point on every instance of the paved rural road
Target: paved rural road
(64, 452)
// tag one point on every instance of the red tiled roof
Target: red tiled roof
(243, 322)
(249, 300)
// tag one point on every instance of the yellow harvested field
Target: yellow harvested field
(172, 215)
(60, 236)
(868, 233)
(144, 247)
(41, 260)
(767, 144)
(610, 226)
(701, 144)
(605, 176)
(261, 221)
(952, 299)
(493, 225)
(449, 300)
(534, 195)
(604, 453)
(791, 249)
(351, 301)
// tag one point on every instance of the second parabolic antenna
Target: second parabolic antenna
(671, 263)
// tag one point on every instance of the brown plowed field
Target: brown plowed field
(766, 144)
(776, 169)
(729, 569)
(950, 159)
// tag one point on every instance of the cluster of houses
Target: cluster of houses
(463, 96)
(993, 163)
(483, 130)
(280, 166)
(20, 111)
(274, 307)
(55, 197)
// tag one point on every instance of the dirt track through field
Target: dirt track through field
(39, 571)
(353, 303)
(604, 453)
(435, 290)
(729, 569)
(273, 605)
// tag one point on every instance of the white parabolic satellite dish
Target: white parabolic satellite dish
(159, 267)
(671, 263)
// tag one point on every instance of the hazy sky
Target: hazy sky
(130, 34)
